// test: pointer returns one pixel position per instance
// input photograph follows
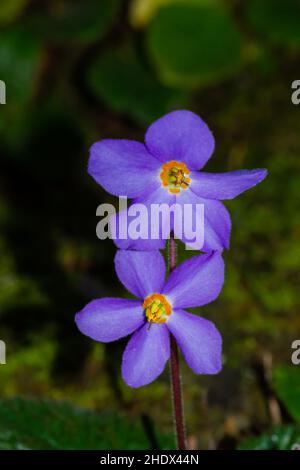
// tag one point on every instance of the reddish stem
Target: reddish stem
(175, 371)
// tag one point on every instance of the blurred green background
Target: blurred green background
(77, 71)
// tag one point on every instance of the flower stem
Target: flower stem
(175, 371)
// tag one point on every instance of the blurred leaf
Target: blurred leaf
(19, 62)
(20, 59)
(40, 424)
(286, 383)
(74, 21)
(194, 44)
(142, 11)
(16, 289)
(283, 438)
(34, 361)
(10, 10)
(126, 86)
(276, 19)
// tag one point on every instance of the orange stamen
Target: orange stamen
(173, 176)
(157, 308)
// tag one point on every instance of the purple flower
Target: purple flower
(164, 170)
(158, 312)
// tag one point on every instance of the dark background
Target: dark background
(78, 71)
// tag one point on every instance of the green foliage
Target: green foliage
(283, 438)
(75, 21)
(276, 19)
(15, 289)
(126, 86)
(49, 425)
(262, 277)
(194, 44)
(19, 62)
(286, 383)
(34, 362)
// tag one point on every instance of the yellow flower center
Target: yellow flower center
(157, 308)
(173, 176)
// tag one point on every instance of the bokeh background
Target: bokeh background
(77, 71)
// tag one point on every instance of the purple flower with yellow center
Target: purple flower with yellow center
(159, 311)
(164, 170)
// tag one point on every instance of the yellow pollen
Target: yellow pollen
(157, 308)
(174, 176)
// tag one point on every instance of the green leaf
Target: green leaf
(20, 58)
(194, 44)
(286, 383)
(126, 86)
(276, 19)
(75, 21)
(283, 438)
(19, 62)
(40, 424)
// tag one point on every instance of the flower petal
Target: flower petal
(217, 226)
(146, 354)
(199, 341)
(141, 272)
(217, 223)
(181, 135)
(190, 227)
(198, 281)
(109, 319)
(122, 223)
(123, 167)
(225, 185)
